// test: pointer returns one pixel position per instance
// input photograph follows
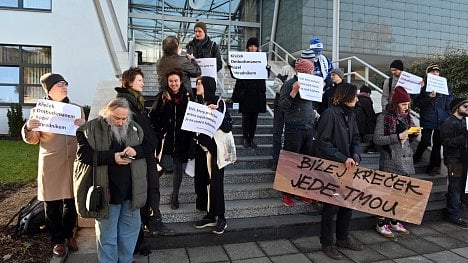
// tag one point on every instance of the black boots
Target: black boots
(157, 227)
(174, 201)
(249, 143)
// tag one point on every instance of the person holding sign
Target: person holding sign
(172, 59)
(54, 176)
(209, 178)
(299, 119)
(395, 151)
(251, 95)
(131, 90)
(203, 47)
(454, 133)
(434, 108)
(396, 67)
(167, 114)
(338, 140)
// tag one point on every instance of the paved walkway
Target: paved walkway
(431, 242)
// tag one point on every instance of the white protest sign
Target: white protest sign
(56, 117)
(248, 65)
(437, 83)
(208, 68)
(311, 87)
(410, 82)
(200, 118)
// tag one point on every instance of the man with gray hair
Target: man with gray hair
(112, 142)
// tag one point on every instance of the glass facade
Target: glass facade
(404, 29)
(20, 70)
(230, 23)
(27, 4)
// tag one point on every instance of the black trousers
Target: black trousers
(60, 218)
(426, 135)
(343, 218)
(209, 188)
(249, 125)
(299, 140)
(151, 209)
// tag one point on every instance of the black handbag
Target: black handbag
(95, 196)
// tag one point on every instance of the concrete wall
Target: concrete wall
(79, 51)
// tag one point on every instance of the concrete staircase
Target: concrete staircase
(254, 210)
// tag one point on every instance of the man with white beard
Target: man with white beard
(113, 140)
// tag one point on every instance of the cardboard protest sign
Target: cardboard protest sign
(437, 83)
(200, 118)
(207, 67)
(372, 191)
(311, 87)
(248, 65)
(56, 117)
(410, 82)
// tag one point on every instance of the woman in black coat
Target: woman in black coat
(251, 96)
(132, 86)
(209, 178)
(167, 114)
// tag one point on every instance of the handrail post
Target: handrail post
(349, 70)
(366, 75)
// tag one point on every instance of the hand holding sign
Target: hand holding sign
(437, 84)
(311, 87)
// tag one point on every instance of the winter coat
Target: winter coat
(57, 153)
(205, 49)
(395, 157)
(455, 140)
(189, 68)
(365, 114)
(433, 111)
(251, 95)
(327, 97)
(337, 138)
(387, 91)
(297, 111)
(95, 136)
(166, 118)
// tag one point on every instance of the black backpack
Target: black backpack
(31, 219)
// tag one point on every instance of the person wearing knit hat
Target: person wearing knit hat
(338, 72)
(308, 54)
(434, 108)
(55, 173)
(336, 76)
(454, 132)
(251, 96)
(396, 157)
(299, 119)
(322, 64)
(396, 67)
(201, 46)
(337, 139)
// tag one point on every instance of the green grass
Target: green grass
(18, 164)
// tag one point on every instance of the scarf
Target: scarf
(396, 123)
(139, 98)
(323, 62)
(176, 97)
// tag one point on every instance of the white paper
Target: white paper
(56, 117)
(190, 168)
(437, 83)
(311, 87)
(235, 106)
(200, 118)
(410, 82)
(208, 68)
(248, 65)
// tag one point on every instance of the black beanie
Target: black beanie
(398, 64)
(252, 41)
(457, 102)
(200, 25)
(48, 80)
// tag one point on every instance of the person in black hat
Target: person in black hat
(201, 46)
(55, 173)
(251, 96)
(434, 108)
(396, 67)
(454, 133)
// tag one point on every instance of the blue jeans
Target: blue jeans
(278, 126)
(116, 236)
(456, 189)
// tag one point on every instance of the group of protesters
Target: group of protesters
(126, 146)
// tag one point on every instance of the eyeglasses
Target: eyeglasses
(62, 84)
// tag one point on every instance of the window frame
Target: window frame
(20, 6)
(21, 65)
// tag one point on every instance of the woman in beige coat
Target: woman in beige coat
(55, 169)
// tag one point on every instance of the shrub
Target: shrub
(15, 120)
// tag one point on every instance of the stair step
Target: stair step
(262, 120)
(236, 209)
(261, 129)
(262, 149)
(258, 139)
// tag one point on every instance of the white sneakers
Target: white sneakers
(386, 230)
